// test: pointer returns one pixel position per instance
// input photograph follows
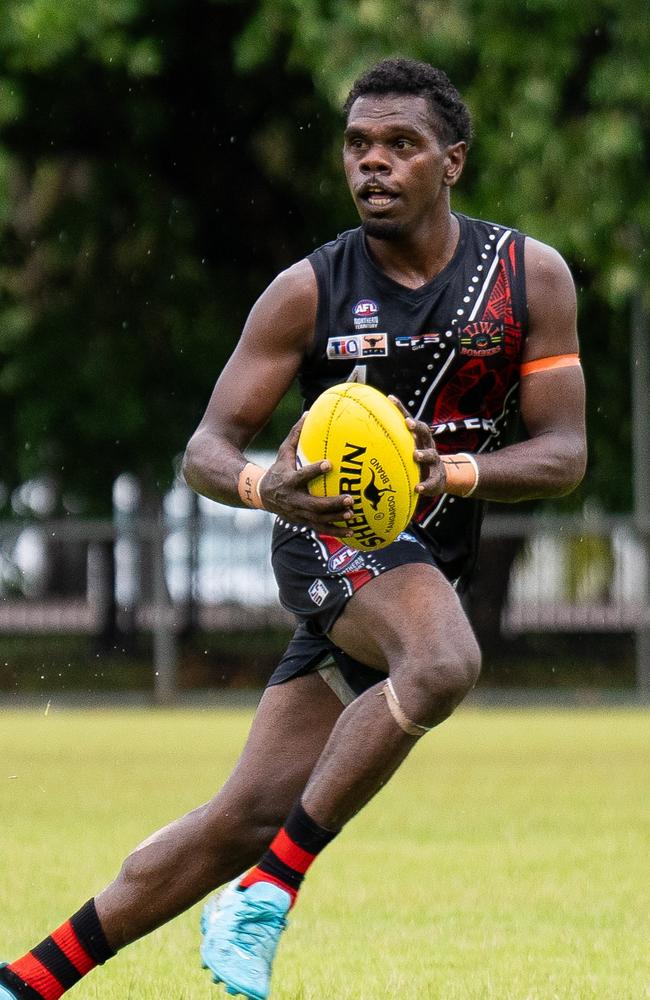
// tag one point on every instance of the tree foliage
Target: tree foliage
(159, 162)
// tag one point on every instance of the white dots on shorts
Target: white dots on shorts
(479, 268)
(460, 312)
(484, 256)
(453, 322)
(423, 379)
(411, 402)
(466, 298)
(449, 333)
(474, 280)
(418, 392)
(487, 246)
(430, 367)
(492, 236)
(471, 287)
(436, 355)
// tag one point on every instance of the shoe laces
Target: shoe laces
(257, 929)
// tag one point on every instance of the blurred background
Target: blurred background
(160, 162)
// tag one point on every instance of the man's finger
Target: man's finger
(425, 456)
(308, 472)
(400, 406)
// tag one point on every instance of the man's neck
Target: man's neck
(419, 257)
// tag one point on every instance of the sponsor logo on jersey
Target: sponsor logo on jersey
(318, 592)
(374, 345)
(480, 340)
(418, 341)
(365, 307)
(365, 314)
(345, 560)
(366, 322)
(358, 345)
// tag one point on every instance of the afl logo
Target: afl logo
(366, 307)
(345, 559)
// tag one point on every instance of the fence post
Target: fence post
(640, 379)
(164, 634)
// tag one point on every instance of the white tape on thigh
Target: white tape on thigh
(412, 728)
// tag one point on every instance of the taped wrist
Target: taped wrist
(248, 485)
(395, 709)
(461, 473)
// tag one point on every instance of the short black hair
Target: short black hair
(408, 76)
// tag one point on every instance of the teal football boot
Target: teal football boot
(5, 994)
(241, 930)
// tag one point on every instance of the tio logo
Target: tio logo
(344, 347)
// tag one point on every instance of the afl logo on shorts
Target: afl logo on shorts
(345, 559)
(480, 340)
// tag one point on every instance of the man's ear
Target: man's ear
(454, 162)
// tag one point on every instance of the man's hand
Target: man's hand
(432, 471)
(283, 490)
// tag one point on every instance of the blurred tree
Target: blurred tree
(159, 162)
(147, 193)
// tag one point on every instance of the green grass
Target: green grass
(507, 860)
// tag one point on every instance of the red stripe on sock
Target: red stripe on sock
(257, 875)
(288, 851)
(31, 971)
(67, 940)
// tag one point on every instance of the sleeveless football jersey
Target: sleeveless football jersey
(449, 350)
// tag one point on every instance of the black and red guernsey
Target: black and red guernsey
(450, 350)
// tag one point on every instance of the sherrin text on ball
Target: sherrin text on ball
(365, 438)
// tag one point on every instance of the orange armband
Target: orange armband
(548, 364)
(248, 485)
(461, 473)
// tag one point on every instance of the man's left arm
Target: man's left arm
(551, 462)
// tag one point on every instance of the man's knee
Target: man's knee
(432, 681)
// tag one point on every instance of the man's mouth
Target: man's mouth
(377, 196)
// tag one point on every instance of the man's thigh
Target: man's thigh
(410, 612)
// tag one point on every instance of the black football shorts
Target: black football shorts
(317, 575)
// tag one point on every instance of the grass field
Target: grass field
(508, 859)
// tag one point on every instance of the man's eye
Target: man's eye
(403, 144)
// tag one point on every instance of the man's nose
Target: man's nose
(374, 161)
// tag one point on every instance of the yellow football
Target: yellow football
(364, 436)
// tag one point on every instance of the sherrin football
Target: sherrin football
(364, 436)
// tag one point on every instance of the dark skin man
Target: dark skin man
(301, 737)
(314, 758)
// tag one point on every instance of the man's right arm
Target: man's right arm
(276, 335)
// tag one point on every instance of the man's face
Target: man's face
(395, 164)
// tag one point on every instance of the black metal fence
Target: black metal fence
(206, 567)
